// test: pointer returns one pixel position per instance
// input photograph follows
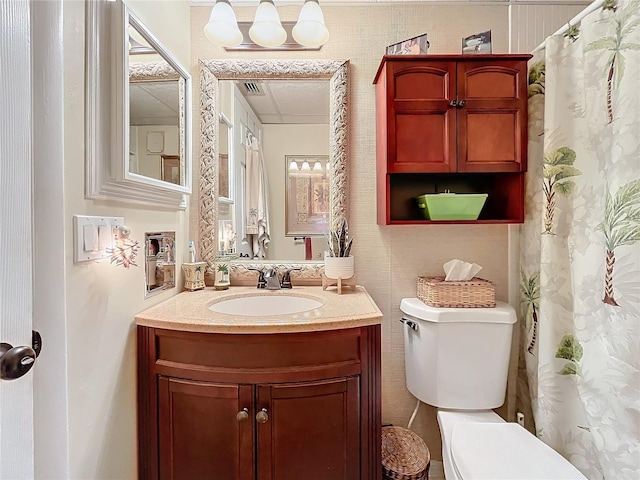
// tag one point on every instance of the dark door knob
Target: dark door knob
(16, 361)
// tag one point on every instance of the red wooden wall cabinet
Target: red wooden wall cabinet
(451, 122)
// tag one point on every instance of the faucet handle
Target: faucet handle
(262, 282)
(286, 278)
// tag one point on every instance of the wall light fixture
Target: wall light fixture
(267, 30)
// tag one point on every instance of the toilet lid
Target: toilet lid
(483, 451)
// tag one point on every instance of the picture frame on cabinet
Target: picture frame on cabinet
(418, 45)
(480, 43)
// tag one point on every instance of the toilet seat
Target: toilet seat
(496, 451)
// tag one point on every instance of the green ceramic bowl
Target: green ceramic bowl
(452, 206)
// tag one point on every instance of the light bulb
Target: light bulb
(293, 166)
(222, 28)
(305, 167)
(317, 167)
(310, 30)
(267, 31)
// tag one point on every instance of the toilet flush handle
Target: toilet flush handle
(410, 323)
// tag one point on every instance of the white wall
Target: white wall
(530, 24)
(101, 299)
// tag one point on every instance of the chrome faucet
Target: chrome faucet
(272, 279)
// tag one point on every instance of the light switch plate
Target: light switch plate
(93, 236)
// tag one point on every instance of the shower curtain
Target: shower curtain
(257, 201)
(580, 244)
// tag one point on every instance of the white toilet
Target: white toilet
(457, 359)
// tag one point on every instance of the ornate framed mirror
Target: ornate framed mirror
(335, 72)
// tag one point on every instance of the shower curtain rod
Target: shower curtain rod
(574, 21)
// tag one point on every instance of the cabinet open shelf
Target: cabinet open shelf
(504, 202)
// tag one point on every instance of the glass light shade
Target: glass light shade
(306, 167)
(317, 167)
(267, 31)
(310, 29)
(293, 166)
(222, 28)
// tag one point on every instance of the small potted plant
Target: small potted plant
(339, 263)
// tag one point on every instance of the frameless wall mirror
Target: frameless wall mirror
(139, 150)
(318, 134)
(160, 262)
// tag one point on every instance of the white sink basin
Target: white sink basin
(265, 305)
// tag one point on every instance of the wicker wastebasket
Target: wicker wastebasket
(405, 456)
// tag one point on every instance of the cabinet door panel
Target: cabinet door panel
(422, 133)
(492, 140)
(424, 142)
(200, 436)
(491, 82)
(312, 432)
(492, 134)
(422, 82)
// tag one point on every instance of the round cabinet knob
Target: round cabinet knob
(243, 414)
(461, 103)
(262, 416)
(453, 103)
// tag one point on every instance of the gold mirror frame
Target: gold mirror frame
(211, 72)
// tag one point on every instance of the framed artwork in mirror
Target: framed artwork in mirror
(307, 195)
(170, 168)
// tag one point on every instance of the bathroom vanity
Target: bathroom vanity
(259, 396)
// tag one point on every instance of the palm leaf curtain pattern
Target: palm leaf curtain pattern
(580, 243)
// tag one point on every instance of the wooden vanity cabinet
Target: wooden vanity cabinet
(451, 114)
(259, 407)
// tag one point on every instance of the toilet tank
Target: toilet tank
(457, 358)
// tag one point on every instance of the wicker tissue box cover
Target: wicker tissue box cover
(474, 293)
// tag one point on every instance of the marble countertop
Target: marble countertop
(189, 311)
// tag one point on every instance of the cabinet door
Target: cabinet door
(312, 430)
(492, 125)
(200, 434)
(421, 132)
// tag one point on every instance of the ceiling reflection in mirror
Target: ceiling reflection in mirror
(277, 109)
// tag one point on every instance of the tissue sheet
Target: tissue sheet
(458, 270)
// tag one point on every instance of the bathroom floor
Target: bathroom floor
(436, 471)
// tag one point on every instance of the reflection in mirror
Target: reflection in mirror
(160, 267)
(283, 117)
(329, 140)
(306, 195)
(225, 192)
(156, 115)
(138, 108)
